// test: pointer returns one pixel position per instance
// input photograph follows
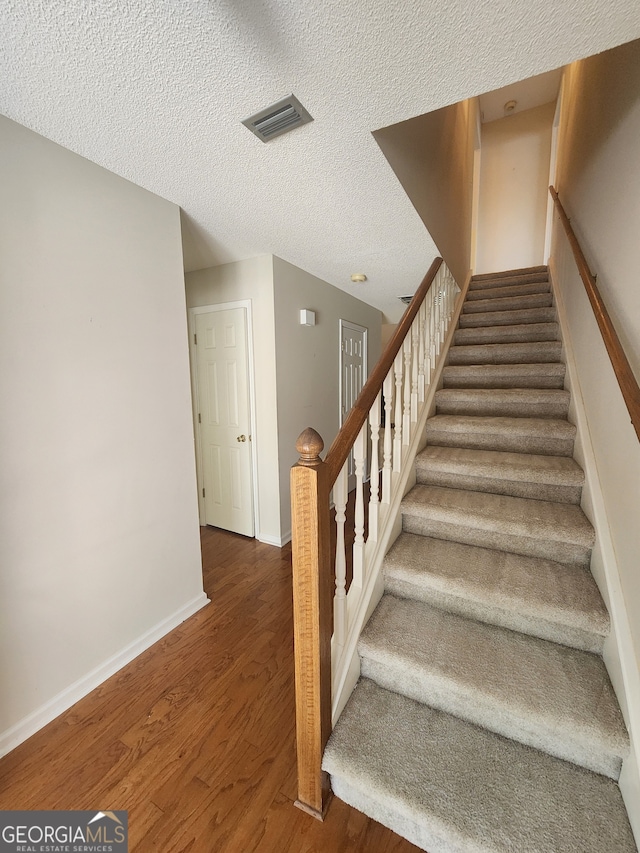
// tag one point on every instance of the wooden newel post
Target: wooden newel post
(312, 618)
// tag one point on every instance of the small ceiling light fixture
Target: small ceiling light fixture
(358, 277)
(509, 107)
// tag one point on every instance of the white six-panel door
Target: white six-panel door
(353, 371)
(224, 418)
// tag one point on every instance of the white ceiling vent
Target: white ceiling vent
(405, 299)
(279, 118)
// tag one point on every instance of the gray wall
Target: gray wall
(308, 360)
(432, 156)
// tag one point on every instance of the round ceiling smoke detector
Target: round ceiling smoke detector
(510, 106)
(358, 277)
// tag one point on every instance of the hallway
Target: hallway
(195, 738)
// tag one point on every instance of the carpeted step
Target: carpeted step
(542, 694)
(533, 272)
(503, 402)
(508, 318)
(522, 435)
(519, 333)
(504, 288)
(543, 375)
(535, 352)
(451, 787)
(545, 529)
(538, 597)
(523, 475)
(507, 303)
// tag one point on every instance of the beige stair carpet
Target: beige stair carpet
(543, 598)
(542, 694)
(485, 721)
(453, 787)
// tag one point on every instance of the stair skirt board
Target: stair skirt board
(484, 719)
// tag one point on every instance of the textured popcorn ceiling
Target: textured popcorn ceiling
(155, 90)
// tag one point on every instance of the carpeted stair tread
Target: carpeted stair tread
(508, 318)
(543, 694)
(538, 597)
(542, 477)
(546, 529)
(451, 787)
(507, 303)
(518, 333)
(503, 402)
(507, 353)
(537, 375)
(539, 272)
(511, 290)
(526, 435)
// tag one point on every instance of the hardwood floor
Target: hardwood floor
(195, 738)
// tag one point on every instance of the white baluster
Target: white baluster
(443, 306)
(446, 294)
(428, 343)
(387, 389)
(374, 476)
(434, 324)
(452, 294)
(422, 357)
(406, 410)
(358, 542)
(438, 329)
(340, 496)
(415, 347)
(397, 432)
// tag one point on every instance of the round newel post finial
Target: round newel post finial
(309, 445)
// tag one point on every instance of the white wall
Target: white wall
(308, 362)
(514, 175)
(99, 529)
(252, 279)
(598, 178)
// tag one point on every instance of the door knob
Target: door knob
(241, 438)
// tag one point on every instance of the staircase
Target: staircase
(484, 719)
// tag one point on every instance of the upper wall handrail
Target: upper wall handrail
(345, 439)
(624, 374)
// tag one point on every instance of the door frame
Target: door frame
(209, 309)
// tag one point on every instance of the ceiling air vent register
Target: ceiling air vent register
(277, 119)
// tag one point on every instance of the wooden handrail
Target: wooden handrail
(624, 374)
(345, 439)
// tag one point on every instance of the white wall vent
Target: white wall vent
(405, 299)
(277, 119)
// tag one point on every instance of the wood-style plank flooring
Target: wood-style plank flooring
(195, 738)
